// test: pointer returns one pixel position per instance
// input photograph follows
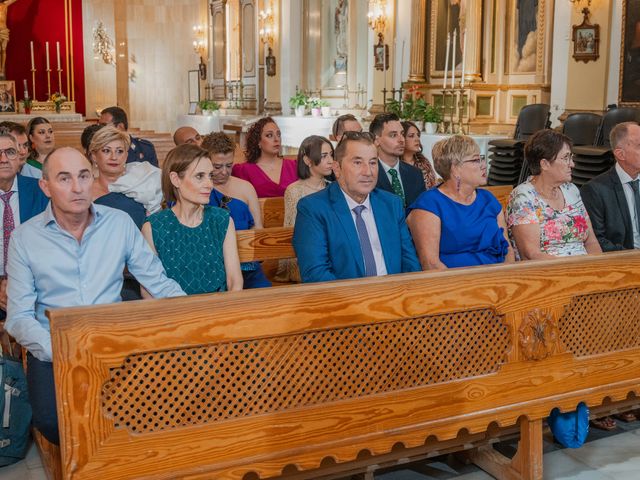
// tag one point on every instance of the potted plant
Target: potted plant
(325, 108)
(208, 107)
(432, 117)
(420, 107)
(58, 99)
(394, 106)
(27, 103)
(314, 104)
(299, 103)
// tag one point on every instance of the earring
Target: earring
(458, 184)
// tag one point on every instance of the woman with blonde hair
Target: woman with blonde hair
(458, 224)
(195, 242)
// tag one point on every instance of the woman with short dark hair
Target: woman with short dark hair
(545, 214)
(314, 164)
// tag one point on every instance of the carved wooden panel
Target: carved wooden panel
(602, 322)
(219, 40)
(539, 336)
(248, 22)
(194, 386)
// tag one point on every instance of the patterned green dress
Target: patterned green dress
(192, 256)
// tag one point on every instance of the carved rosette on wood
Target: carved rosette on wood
(539, 336)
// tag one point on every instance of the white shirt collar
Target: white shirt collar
(14, 187)
(386, 167)
(353, 204)
(624, 176)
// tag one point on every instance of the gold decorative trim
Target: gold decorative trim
(539, 336)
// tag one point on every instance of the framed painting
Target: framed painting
(524, 36)
(586, 40)
(629, 87)
(446, 16)
(8, 96)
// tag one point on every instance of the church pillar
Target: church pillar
(418, 44)
(473, 26)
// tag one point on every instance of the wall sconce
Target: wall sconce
(103, 45)
(199, 44)
(377, 16)
(267, 25)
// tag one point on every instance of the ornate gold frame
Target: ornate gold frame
(586, 25)
(623, 53)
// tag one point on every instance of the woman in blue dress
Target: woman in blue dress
(457, 224)
(195, 242)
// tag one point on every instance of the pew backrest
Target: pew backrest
(246, 385)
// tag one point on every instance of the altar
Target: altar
(53, 117)
(296, 129)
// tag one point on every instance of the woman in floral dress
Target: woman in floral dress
(545, 215)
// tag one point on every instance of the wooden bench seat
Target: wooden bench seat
(312, 380)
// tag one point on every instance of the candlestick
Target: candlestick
(453, 61)
(464, 57)
(58, 52)
(446, 62)
(33, 65)
(47, 52)
(60, 81)
(26, 89)
(33, 82)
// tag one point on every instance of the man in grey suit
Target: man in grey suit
(395, 176)
(613, 198)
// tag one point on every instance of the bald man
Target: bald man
(72, 254)
(187, 135)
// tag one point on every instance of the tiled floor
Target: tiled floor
(605, 457)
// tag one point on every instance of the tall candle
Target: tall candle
(26, 89)
(453, 61)
(446, 62)
(58, 51)
(464, 57)
(46, 49)
(33, 64)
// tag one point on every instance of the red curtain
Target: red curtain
(44, 21)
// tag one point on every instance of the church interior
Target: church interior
(457, 374)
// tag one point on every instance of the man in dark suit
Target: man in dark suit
(612, 199)
(395, 176)
(140, 150)
(350, 229)
(20, 199)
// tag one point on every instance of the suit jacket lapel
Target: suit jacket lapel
(341, 209)
(622, 201)
(383, 180)
(25, 200)
(379, 214)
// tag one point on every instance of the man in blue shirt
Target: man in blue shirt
(74, 253)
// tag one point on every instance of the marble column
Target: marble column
(473, 26)
(418, 44)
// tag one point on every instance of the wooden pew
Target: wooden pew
(342, 376)
(273, 208)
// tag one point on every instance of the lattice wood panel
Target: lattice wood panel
(601, 322)
(237, 379)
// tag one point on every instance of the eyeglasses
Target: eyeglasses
(224, 202)
(10, 153)
(357, 136)
(567, 159)
(479, 160)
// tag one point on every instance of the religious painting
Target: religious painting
(629, 87)
(381, 55)
(586, 40)
(8, 96)
(447, 17)
(523, 44)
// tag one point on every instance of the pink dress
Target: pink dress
(264, 186)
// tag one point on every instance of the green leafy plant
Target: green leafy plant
(300, 99)
(432, 114)
(27, 102)
(211, 105)
(394, 106)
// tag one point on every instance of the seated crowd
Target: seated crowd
(108, 225)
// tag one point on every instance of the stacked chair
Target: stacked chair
(506, 155)
(592, 160)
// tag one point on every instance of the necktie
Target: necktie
(396, 185)
(636, 199)
(365, 243)
(7, 227)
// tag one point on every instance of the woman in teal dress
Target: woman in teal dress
(195, 242)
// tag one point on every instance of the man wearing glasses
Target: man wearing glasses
(612, 199)
(351, 229)
(395, 176)
(21, 200)
(187, 135)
